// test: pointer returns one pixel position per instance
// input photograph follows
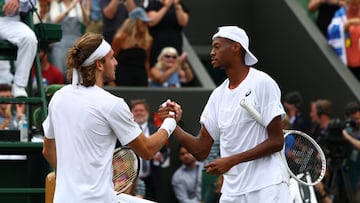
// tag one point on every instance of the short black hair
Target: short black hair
(294, 98)
(351, 108)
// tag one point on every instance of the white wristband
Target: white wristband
(169, 125)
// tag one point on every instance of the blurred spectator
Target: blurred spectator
(9, 116)
(95, 16)
(21, 35)
(72, 17)
(139, 189)
(114, 14)
(150, 170)
(320, 114)
(352, 134)
(170, 69)
(168, 18)
(6, 114)
(186, 181)
(344, 35)
(325, 11)
(42, 12)
(131, 45)
(293, 103)
(50, 73)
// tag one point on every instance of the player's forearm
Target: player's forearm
(191, 143)
(161, 137)
(49, 152)
(265, 148)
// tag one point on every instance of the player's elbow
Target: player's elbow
(278, 145)
(200, 156)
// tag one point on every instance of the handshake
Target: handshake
(170, 112)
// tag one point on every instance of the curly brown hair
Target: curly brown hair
(78, 53)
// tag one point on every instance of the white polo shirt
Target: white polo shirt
(85, 123)
(225, 119)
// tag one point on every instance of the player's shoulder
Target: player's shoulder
(254, 72)
(260, 76)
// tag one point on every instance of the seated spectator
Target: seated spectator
(186, 181)
(171, 69)
(6, 117)
(18, 33)
(344, 35)
(9, 116)
(50, 73)
(131, 45)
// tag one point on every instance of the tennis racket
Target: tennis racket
(303, 157)
(126, 166)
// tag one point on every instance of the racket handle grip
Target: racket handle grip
(251, 110)
(169, 124)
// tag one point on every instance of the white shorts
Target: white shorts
(279, 193)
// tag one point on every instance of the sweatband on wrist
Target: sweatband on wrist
(169, 124)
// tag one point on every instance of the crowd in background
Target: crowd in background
(146, 37)
(338, 138)
(137, 30)
(339, 22)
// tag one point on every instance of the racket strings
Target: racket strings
(304, 159)
(124, 169)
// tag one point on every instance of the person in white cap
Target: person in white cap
(252, 168)
(84, 122)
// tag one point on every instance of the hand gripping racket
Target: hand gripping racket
(302, 156)
(126, 166)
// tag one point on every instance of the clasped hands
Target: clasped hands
(170, 109)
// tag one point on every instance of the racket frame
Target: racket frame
(256, 115)
(318, 149)
(137, 159)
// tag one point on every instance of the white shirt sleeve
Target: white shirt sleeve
(122, 123)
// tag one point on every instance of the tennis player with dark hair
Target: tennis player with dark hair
(253, 170)
(84, 122)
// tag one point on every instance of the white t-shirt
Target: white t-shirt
(85, 123)
(225, 119)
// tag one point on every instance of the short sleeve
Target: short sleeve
(208, 118)
(269, 95)
(122, 123)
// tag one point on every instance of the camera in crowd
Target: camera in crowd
(335, 145)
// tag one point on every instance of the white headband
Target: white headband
(99, 53)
